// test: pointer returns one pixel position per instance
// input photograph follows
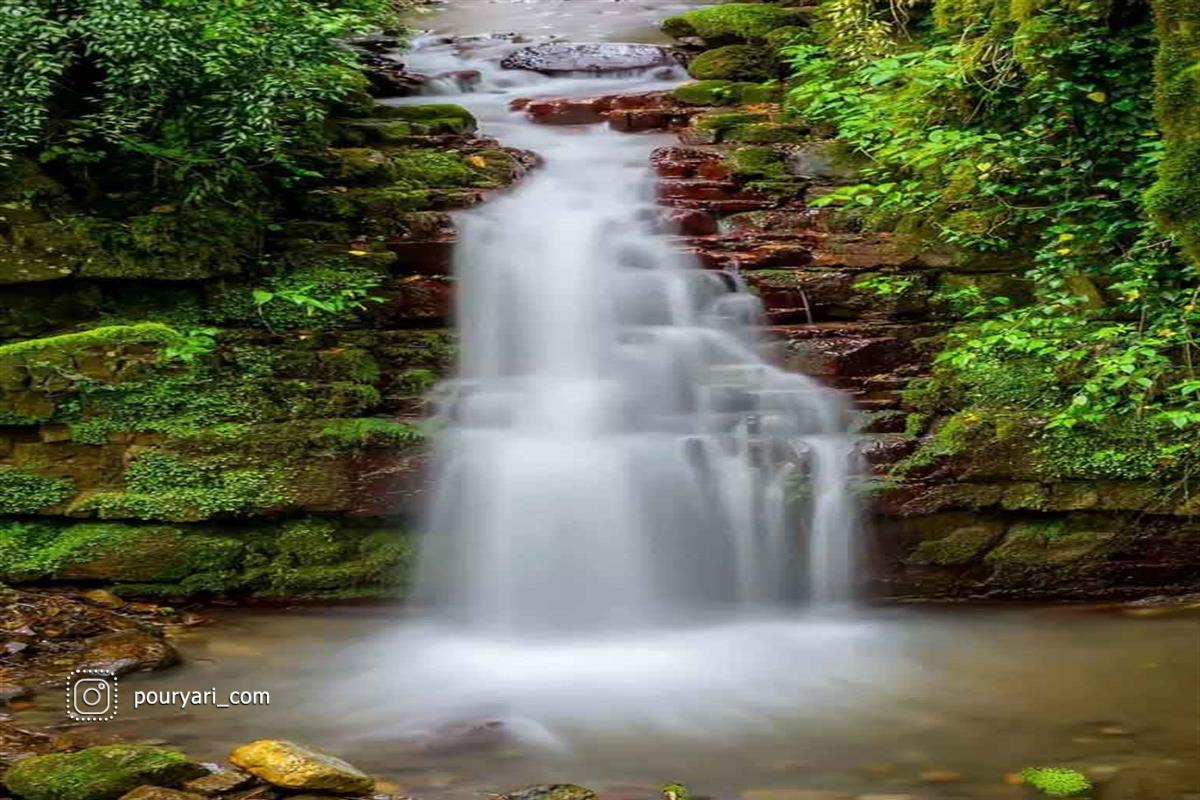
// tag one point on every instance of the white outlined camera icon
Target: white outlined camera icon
(91, 695)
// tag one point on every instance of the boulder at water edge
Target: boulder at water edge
(588, 57)
(290, 766)
(98, 773)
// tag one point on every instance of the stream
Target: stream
(655, 642)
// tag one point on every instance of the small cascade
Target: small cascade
(635, 521)
(615, 452)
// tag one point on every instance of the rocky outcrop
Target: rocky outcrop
(264, 389)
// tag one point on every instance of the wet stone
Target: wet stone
(218, 782)
(292, 766)
(158, 793)
(558, 57)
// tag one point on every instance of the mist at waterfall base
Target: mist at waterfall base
(635, 521)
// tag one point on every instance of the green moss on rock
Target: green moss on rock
(726, 93)
(98, 773)
(1046, 545)
(309, 557)
(765, 169)
(430, 113)
(27, 492)
(1175, 200)
(961, 546)
(163, 486)
(731, 22)
(735, 62)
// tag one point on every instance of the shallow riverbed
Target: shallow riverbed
(880, 697)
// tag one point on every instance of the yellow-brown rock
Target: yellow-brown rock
(291, 766)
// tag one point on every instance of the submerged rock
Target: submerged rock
(98, 773)
(60, 633)
(17, 743)
(129, 651)
(219, 781)
(551, 791)
(292, 766)
(159, 793)
(588, 57)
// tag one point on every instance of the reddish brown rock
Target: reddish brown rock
(417, 299)
(683, 162)
(688, 222)
(426, 246)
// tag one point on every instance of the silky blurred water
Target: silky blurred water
(872, 701)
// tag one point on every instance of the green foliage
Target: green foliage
(26, 492)
(676, 791)
(1026, 131)
(163, 486)
(369, 432)
(1057, 781)
(206, 93)
(322, 294)
(886, 285)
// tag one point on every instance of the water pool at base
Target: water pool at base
(867, 704)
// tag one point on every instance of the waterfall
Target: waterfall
(614, 451)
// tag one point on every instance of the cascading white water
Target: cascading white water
(615, 450)
(628, 502)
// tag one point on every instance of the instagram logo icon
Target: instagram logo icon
(92, 695)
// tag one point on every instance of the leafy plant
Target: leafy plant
(1057, 781)
(319, 291)
(1027, 133)
(207, 93)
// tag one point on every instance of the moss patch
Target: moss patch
(735, 62)
(98, 773)
(727, 93)
(26, 492)
(731, 22)
(307, 557)
(960, 546)
(1175, 199)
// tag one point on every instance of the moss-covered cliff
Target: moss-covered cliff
(201, 400)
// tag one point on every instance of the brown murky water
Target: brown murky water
(978, 692)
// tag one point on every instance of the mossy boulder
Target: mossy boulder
(766, 170)
(731, 23)
(1049, 545)
(735, 62)
(291, 766)
(430, 119)
(962, 545)
(47, 250)
(98, 773)
(180, 244)
(727, 93)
